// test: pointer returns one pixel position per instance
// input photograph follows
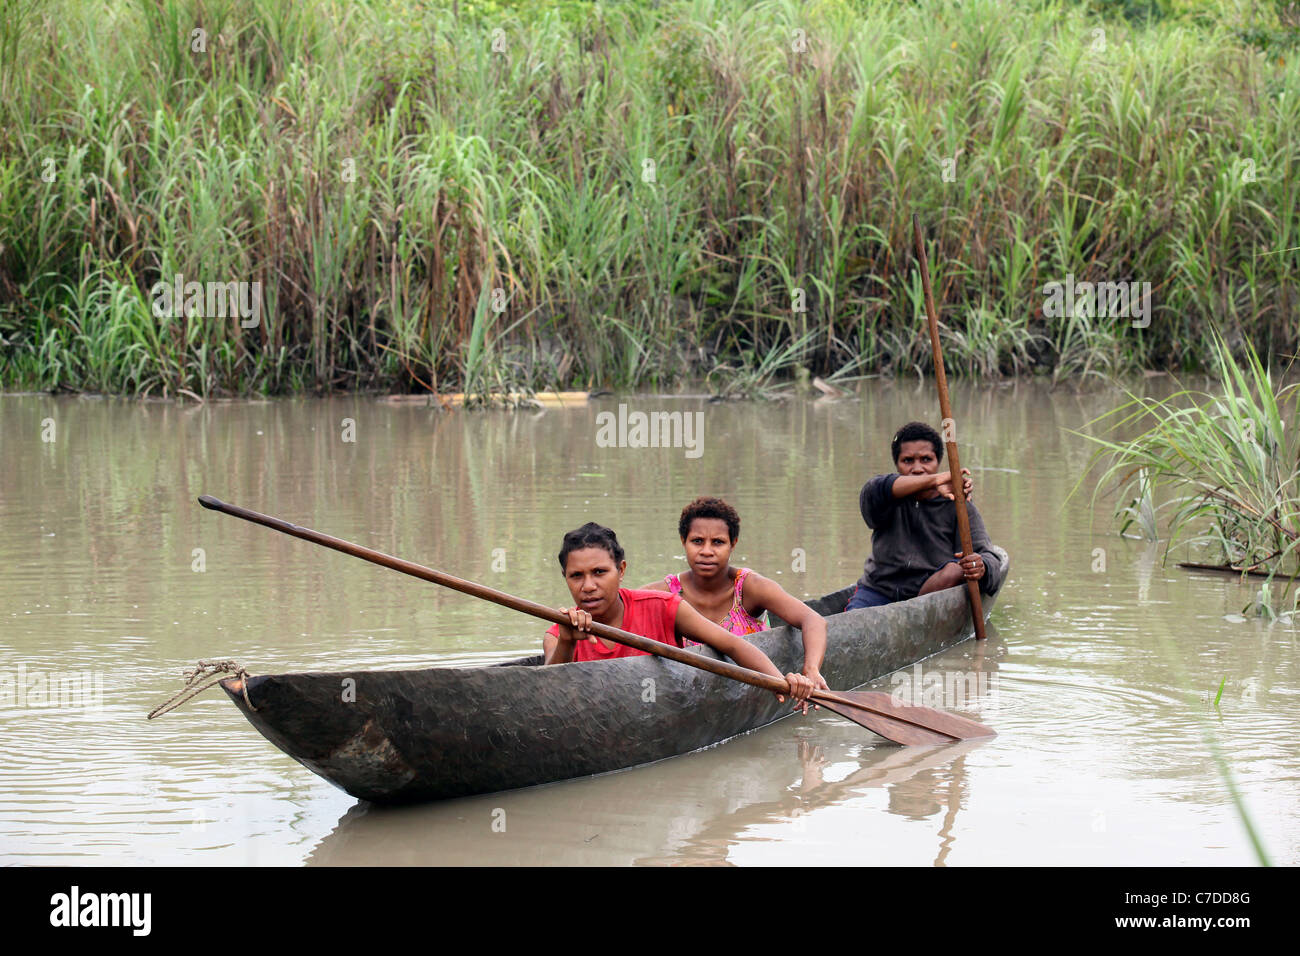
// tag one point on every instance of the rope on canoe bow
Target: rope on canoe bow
(204, 669)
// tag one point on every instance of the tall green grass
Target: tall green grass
(1225, 463)
(651, 192)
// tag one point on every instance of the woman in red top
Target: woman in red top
(593, 565)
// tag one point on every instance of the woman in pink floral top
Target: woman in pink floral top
(738, 599)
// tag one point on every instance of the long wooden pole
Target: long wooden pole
(949, 427)
(878, 712)
(723, 668)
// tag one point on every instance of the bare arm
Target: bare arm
(660, 585)
(692, 624)
(768, 595)
(556, 651)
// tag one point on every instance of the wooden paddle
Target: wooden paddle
(945, 409)
(876, 711)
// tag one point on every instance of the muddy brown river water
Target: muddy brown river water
(1099, 674)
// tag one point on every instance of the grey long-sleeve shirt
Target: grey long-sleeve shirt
(912, 539)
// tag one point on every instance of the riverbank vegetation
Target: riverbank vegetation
(496, 196)
(1224, 467)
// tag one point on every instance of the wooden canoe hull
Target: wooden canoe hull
(440, 732)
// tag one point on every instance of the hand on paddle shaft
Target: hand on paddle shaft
(579, 628)
(972, 565)
(945, 484)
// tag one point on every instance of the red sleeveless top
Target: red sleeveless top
(651, 614)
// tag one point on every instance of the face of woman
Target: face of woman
(593, 579)
(708, 546)
(917, 458)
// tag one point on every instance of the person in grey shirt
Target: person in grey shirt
(915, 545)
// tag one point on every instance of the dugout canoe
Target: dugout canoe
(440, 732)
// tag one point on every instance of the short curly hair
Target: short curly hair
(705, 507)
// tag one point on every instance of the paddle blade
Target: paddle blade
(902, 723)
(887, 727)
(961, 728)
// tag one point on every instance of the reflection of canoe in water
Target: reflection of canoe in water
(432, 733)
(707, 808)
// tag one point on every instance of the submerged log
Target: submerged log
(507, 399)
(1229, 569)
